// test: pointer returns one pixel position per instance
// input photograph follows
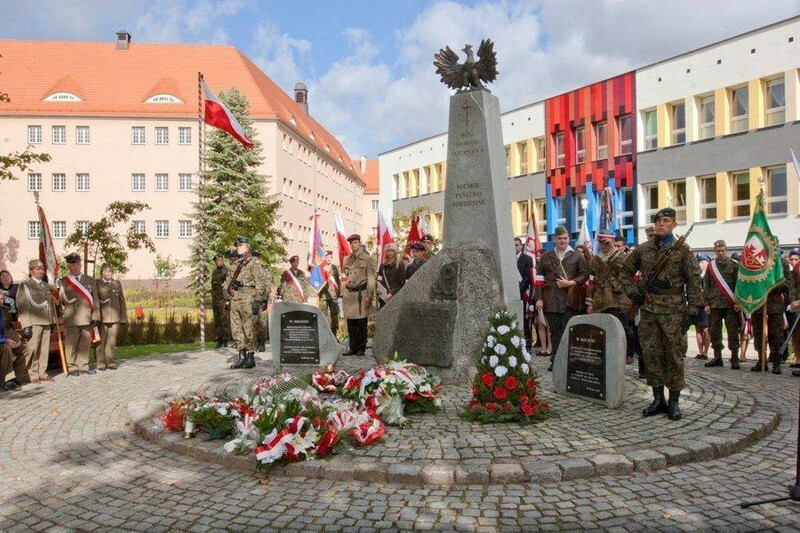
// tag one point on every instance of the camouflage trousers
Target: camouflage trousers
(731, 319)
(663, 341)
(243, 324)
(330, 308)
(774, 333)
(262, 327)
(222, 320)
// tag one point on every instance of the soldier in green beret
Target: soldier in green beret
(247, 289)
(719, 287)
(219, 302)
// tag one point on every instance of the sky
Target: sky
(368, 64)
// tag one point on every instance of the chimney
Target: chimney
(301, 95)
(363, 164)
(123, 40)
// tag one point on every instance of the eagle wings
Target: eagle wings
(471, 73)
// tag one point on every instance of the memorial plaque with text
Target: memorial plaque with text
(586, 361)
(299, 343)
(424, 334)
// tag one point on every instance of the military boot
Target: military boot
(659, 406)
(240, 357)
(776, 365)
(716, 361)
(757, 365)
(735, 360)
(249, 360)
(673, 411)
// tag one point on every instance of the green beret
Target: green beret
(241, 239)
(667, 212)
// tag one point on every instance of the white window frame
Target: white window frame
(541, 154)
(580, 145)
(61, 136)
(769, 200)
(625, 145)
(139, 227)
(562, 211)
(138, 179)
(162, 229)
(185, 182)
(375, 204)
(561, 156)
(34, 135)
(740, 123)
(162, 182)
(34, 229)
(677, 134)
(649, 209)
(138, 135)
(774, 115)
(83, 226)
(678, 203)
(707, 129)
(34, 182)
(82, 135)
(601, 151)
(58, 182)
(185, 229)
(523, 157)
(59, 229)
(162, 135)
(703, 182)
(184, 136)
(741, 202)
(82, 182)
(650, 139)
(627, 213)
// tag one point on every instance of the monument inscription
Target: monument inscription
(299, 338)
(424, 332)
(586, 361)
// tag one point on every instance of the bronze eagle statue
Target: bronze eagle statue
(471, 73)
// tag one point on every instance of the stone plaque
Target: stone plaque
(424, 334)
(299, 338)
(586, 361)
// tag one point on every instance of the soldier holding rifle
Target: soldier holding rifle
(248, 292)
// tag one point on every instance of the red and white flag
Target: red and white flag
(219, 116)
(385, 236)
(532, 247)
(341, 240)
(413, 235)
(47, 252)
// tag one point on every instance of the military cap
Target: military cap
(354, 237)
(294, 258)
(241, 239)
(667, 212)
(233, 255)
(219, 255)
(73, 258)
(35, 263)
(794, 251)
(428, 238)
(719, 243)
(417, 246)
(605, 234)
(736, 256)
(105, 266)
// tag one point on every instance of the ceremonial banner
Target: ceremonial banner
(47, 253)
(385, 236)
(341, 239)
(413, 235)
(316, 255)
(760, 269)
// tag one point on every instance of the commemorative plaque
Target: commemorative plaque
(299, 338)
(424, 333)
(586, 361)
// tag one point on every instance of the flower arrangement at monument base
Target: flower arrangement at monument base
(505, 388)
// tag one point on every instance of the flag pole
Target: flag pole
(764, 339)
(201, 248)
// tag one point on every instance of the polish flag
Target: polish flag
(341, 239)
(413, 235)
(532, 246)
(219, 116)
(47, 253)
(385, 236)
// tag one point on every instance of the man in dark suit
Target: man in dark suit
(524, 266)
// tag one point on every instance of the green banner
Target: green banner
(760, 269)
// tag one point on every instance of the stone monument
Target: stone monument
(300, 336)
(590, 362)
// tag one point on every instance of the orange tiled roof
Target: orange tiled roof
(113, 82)
(371, 177)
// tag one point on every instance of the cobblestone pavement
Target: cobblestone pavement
(69, 462)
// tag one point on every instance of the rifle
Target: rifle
(657, 269)
(232, 285)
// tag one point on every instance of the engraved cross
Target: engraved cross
(466, 107)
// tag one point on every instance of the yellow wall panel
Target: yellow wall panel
(756, 176)
(722, 112)
(724, 196)
(662, 123)
(663, 193)
(755, 112)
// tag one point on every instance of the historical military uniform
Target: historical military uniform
(81, 314)
(719, 289)
(329, 298)
(219, 305)
(289, 291)
(662, 331)
(776, 306)
(357, 296)
(35, 310)
(113, 312)
(248, 293)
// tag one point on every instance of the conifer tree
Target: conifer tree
(235, 195)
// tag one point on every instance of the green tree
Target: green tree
(402, 223)
(105, 243)
(235, 195)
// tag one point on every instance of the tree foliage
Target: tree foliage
(235, 195)
(105, 243)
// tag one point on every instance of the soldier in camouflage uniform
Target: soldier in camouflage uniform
(329, 294)
(288, 290)
(719, 287)
(219, 302)
(776, 306)
(662, 330)
(262, 321)
(248, 294)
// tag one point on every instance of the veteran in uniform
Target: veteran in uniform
(358, 294)
(775, 306)
(245, 285)
(606, 295)
(113, 312)
(81, 314)
(329, 294)
(219, 303)
(293, 283)
(35, 310)
(662, 330)
(719, 288)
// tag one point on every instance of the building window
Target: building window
(776, 190)
(580, 146)
(625, 135)
(541, 220)
(82, 226)
(184, 135)
(184, 228)
(650, 201)
(650, 130)
(626, 208)
(706, 117)
(137, 135)
(740, 188)
(139, 227)
(739, 109)
(678, 123)
(523, 157)
(775, 102)
(375, 205)
(59, 134)
(708, 197)
(560, 205)
(559, 143)
(82, 134)
(162, 135)
(541, 153)
(34, 229)
(162, 228)
(59, 229)
(137, 182)
(59, 182)
(34, 182)
(34, 135)
(184, 182)
(601, 135)
(82, 182)
(677, 200)
(162, 182)
(508, 160)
